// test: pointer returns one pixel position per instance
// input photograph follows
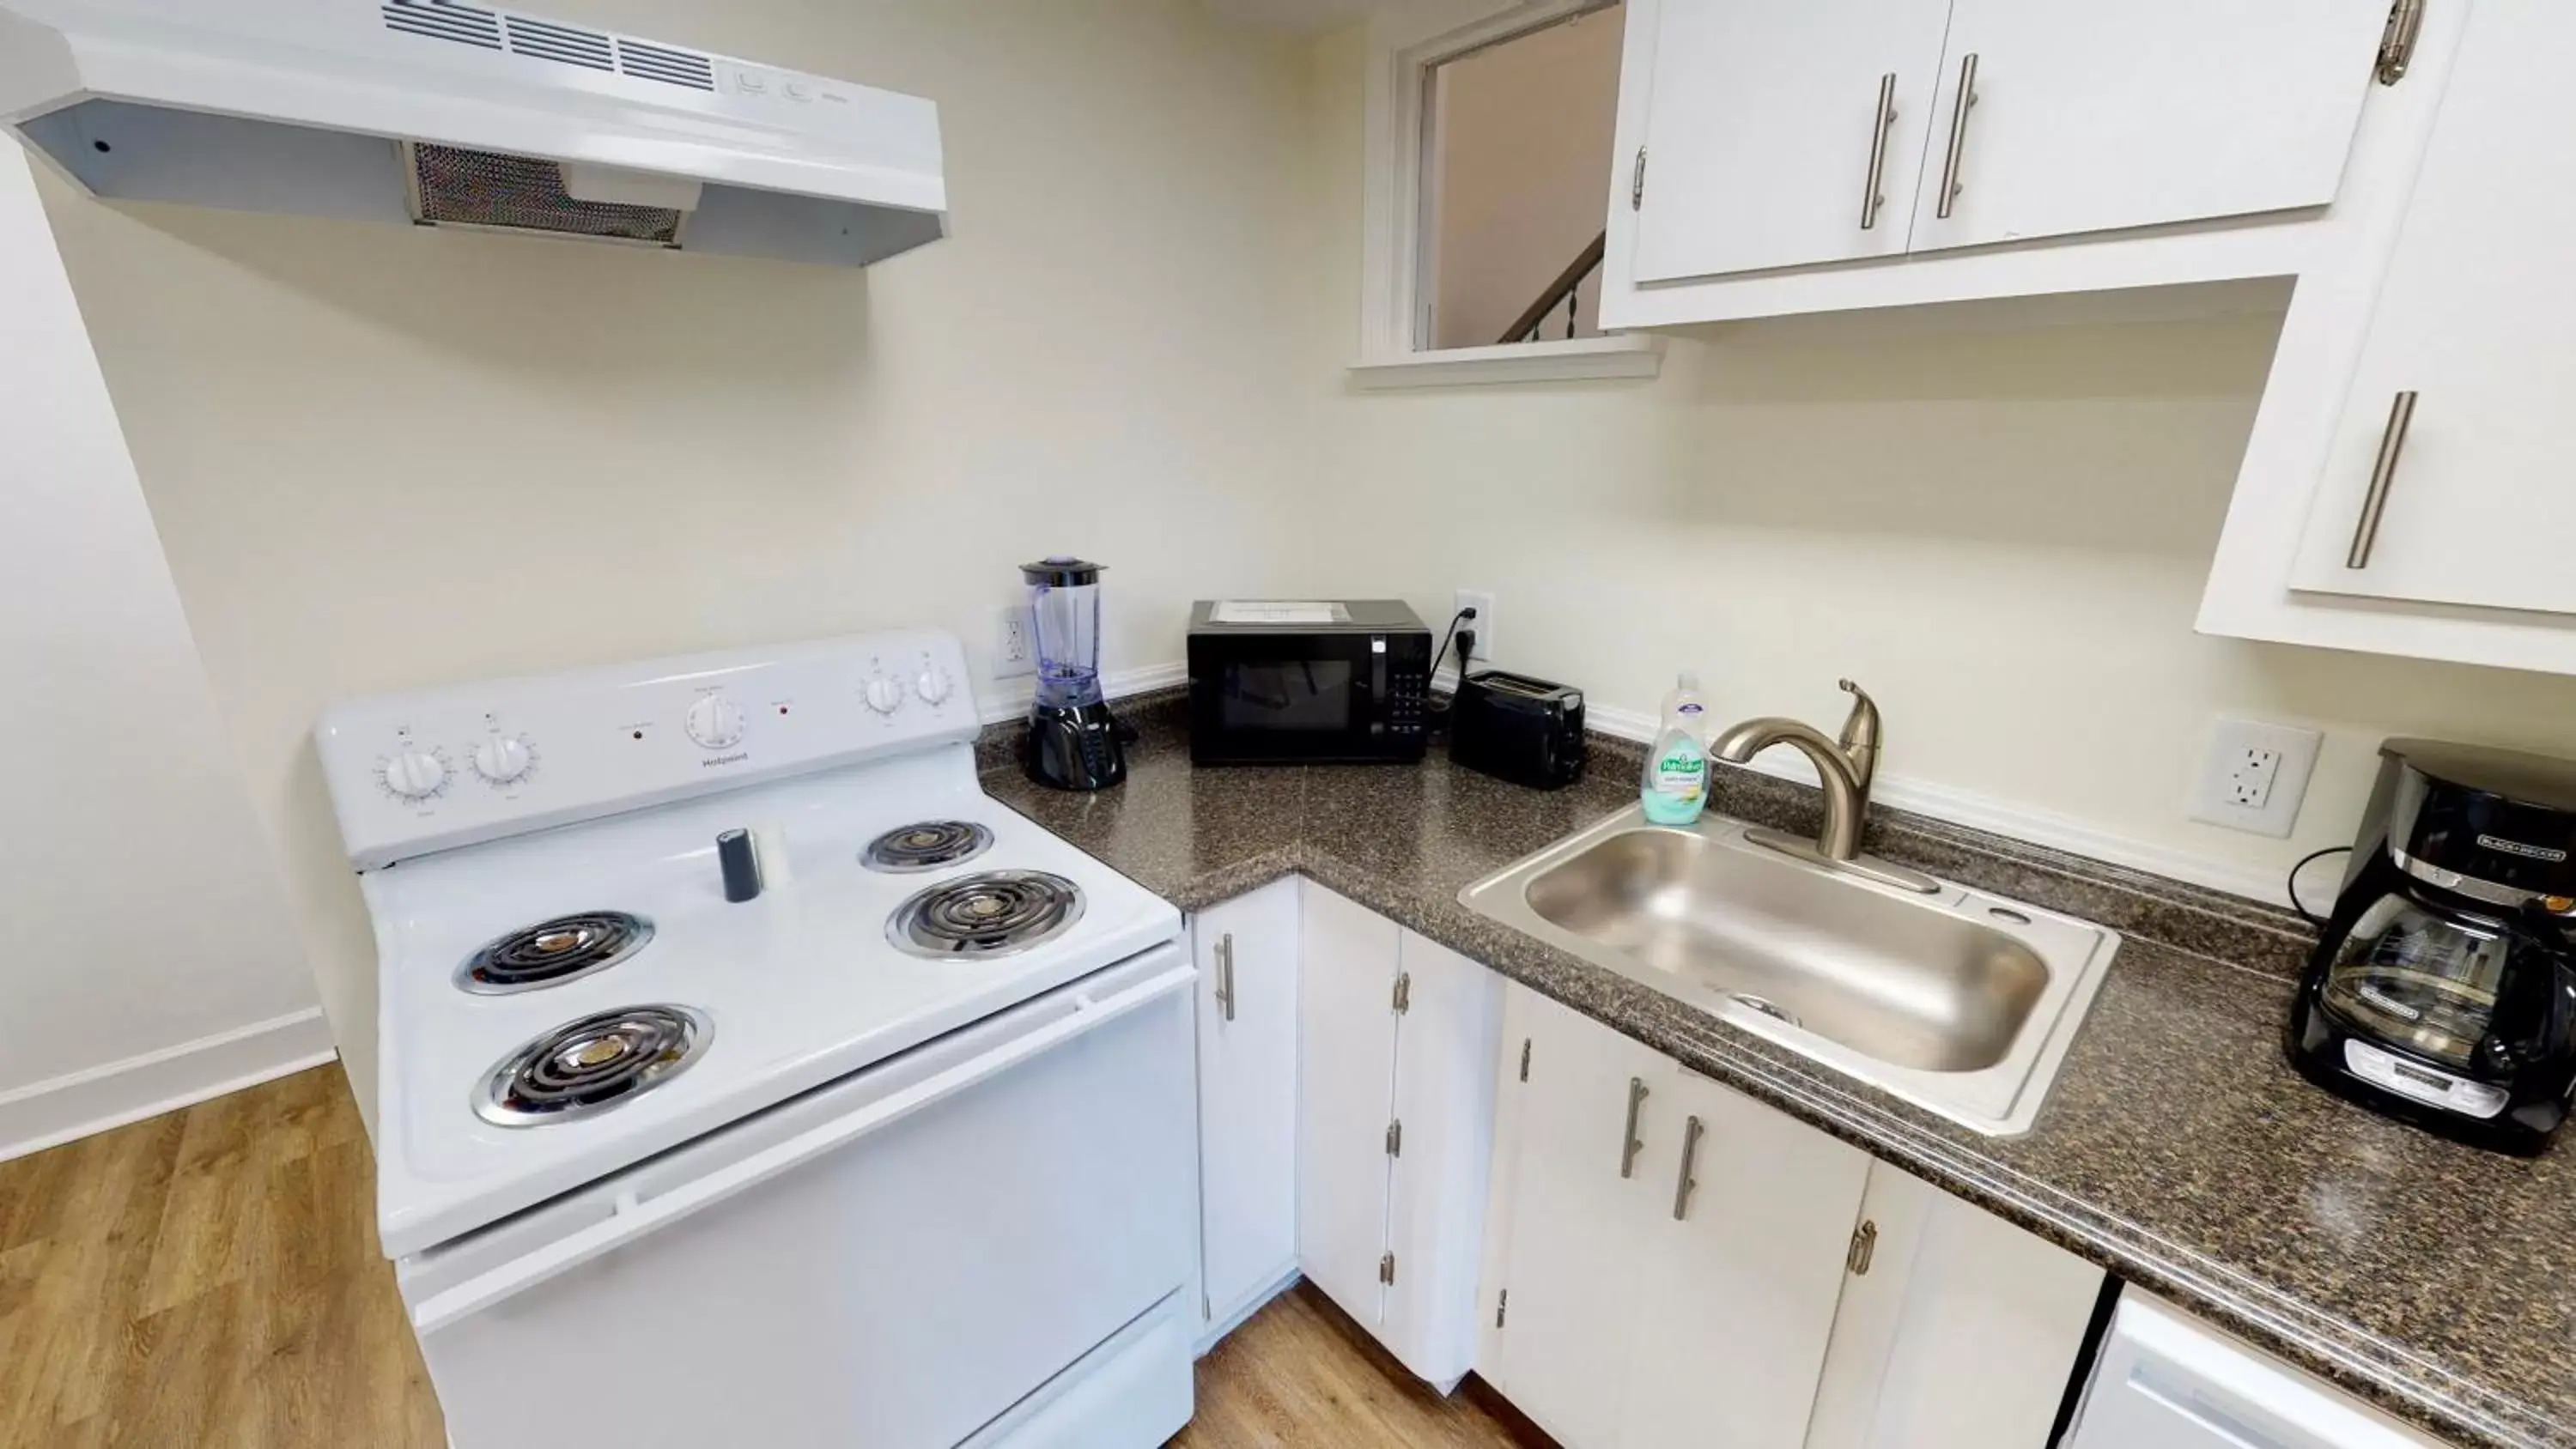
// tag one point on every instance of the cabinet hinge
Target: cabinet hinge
(1403, 990)
(1637, 182)
(1386, 1269)
(2397, 42)
(1395, 1138)
(1207, 1310)
(1864, 1246)
(1525, 1049)
(1502, 1306)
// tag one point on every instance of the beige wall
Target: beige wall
(143, 916)
(384, 459)
(1520, 188)
(2001, 532)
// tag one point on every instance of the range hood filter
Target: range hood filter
(452, 186)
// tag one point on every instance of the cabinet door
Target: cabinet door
(1745, 1265)
(1572, 1263)
(2091, 115)
(2478, 503)
(1961, 1331)
(1444, 1106)
(1345, 1097)
(1764, 123)
(1247, 1028)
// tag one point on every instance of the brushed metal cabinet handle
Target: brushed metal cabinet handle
(2383, 471)
(1225, 974)
(1871, 198)
(1691, 1130)
(1960, 104)
(1864, 1246)
(1629, 1143)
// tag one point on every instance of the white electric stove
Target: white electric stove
(896, 1152)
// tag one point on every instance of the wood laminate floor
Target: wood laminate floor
(211, 1278)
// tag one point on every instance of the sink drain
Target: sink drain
(1767, 1008)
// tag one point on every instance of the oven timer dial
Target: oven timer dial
(715, 722)
(414, 774)
(885, 693)
(504, 759)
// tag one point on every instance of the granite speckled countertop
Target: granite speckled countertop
(2176, 1147)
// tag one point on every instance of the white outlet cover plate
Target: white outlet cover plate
(2229, 739)
(1483, 603)
(1005, 666)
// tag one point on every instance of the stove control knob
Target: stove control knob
(415, 774)
(503, 759)
(714, 722)
(933, 685)
(885, 693)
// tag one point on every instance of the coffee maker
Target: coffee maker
(1074, 742)
(2444, 990)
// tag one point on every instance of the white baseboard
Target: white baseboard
(1008, 699)
(1997, 817)
(60, 1109)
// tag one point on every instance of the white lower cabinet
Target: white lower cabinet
(1247, 955)
(1670, 1262)
(1744, 1265)
(1956, 1330)
(1396, 1041)
(1571, 1183)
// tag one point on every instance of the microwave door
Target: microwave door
(1286, 700)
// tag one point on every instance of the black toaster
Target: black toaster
(1516, 728)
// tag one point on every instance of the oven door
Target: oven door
(976, 1239)
(1260, 698)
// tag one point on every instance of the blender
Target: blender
(1074, 742)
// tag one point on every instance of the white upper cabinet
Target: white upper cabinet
(2098, 115)
(2410, 484)
(2104, 145)
(2451, 476)
(1785, 135)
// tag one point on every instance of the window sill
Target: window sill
(1625, 355)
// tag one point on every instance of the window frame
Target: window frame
(1404, 45)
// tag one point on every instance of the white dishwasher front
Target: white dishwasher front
(2164, 1381)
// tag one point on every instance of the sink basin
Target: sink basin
(1957, 1001)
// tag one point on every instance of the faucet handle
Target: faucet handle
(1859, 738)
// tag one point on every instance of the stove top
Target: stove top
(591, 1064)
(926, 845)
(993, 913)
(486, 1097)
(552, 952)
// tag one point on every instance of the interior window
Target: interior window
(1515, 183)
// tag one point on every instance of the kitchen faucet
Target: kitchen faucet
(1845, 766)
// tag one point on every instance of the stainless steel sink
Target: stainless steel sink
(1957, 1001)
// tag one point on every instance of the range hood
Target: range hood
(443, 113)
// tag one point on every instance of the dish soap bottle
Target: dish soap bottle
(1675, 789)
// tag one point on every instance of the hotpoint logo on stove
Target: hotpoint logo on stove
(736, 758)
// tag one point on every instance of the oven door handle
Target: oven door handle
(633, 1217)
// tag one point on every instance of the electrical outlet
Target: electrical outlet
(2254, 775)
(1015, 643)
(1483, 623)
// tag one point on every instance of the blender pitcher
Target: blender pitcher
(1074, 742)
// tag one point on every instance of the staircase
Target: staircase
(1532, 324)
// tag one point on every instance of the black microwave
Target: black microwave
(1278, 681)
